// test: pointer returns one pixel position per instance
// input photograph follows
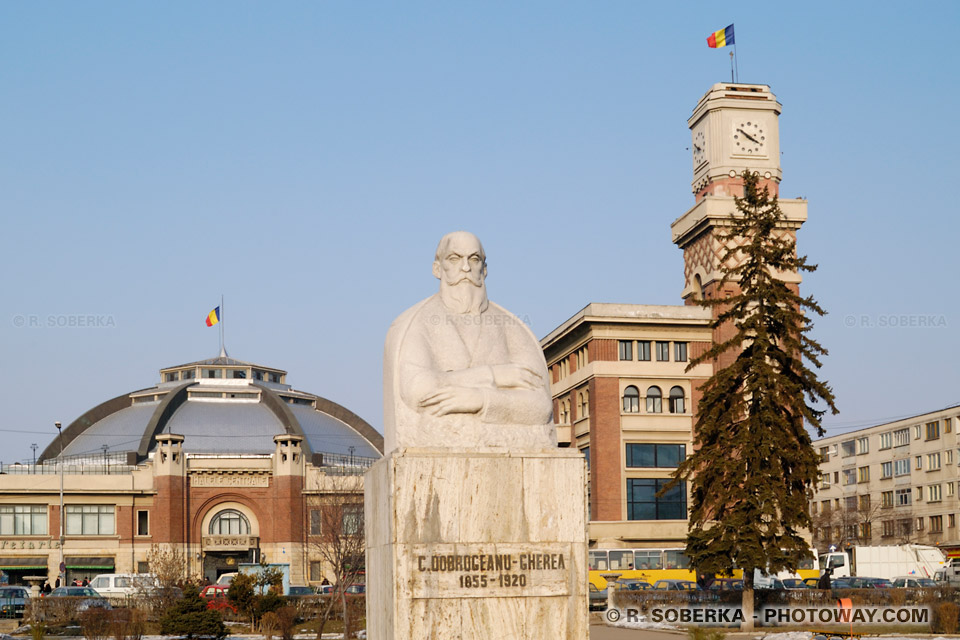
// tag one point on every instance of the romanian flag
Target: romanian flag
(213, 317)
(720, 38)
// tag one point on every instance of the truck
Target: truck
(885, 562)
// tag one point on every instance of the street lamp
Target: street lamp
(34, 447)
(62, 573)
(106, 465)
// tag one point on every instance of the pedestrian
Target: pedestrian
(46, 587)
(58, 583)
(824, 581)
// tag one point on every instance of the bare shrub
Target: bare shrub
(127, 624)
(269, 624)
(286, 620)
(946, 617)
(95, 623)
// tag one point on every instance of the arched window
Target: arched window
(654, 400)
(676, 400)
(229, 522)
(586, 403)
(631, 400)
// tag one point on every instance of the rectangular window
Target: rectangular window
(352, 524)
(863, 474)
(316, 571)
(824, 454)
(825, 507)
(919, 496)
(906, 526)
(316, 522)
(886, 470)
(886, 440)
(663, 351)
(643, 503)
(917, 432)
(866, 531)
(949, 488)
(680, 351)
(586, 456)
(23, 520)
(951, 520)
(647, 560)
(886, 499)
(933, 430)
(626, 349)
(901, 467)
(901, 437)
(90, 519)
(836, 477)
(213, 373)
(947, 425)
(850, 503)
(889, 527)
(919, 524)
(666, 456)
(934, 493)
(848, 448)
(863, 503)
(936, 524)
(863, 446)
(143, 523)
(643, 350)
(918, 460)
(849, 476)
(824, 480)
(933, 461)
(904, 497)
(949, 454)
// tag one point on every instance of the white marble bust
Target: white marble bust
(461, 372)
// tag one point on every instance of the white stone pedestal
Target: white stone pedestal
(475, 545)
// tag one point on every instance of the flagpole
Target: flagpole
(736, 59)
(222, 320)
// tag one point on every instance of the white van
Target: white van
(123, 584)
(226, 578)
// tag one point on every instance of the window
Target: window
(680, 351)
(23, 520)
(866, 531)
(850, 503)
(934, 493)
(648, 560)
(170, 376)
(631, 400)
(886, 499)
(919, 496)
(889, 527)
(903, 497)
(644, 504)
(886, 470)
(919, 524)
(836, 477)
(824, 480)
(353, 520)
(949, 454)
(237, 374)
(824, 454)
(886, 440)
(901, 467)
(848, 448)
(673, 559)
(933, 430)
(933, 461)
(273, 377)
(643, 350)
(188, 374)
(919, 462)
(664, 456)
(654, 400)
(597, 560)
(951, 520)
(586, 403)
(316, 522)
(663, 351)
(316, 571)
(229, 522)
(863, 446)
(947, 425)
(90, 520)
(863, 474)
(626, 350)
(949, 488)
(582, 358)
(676, 400)
(825, 507)
(213, 373)
(916, 432)
(143, 523)
(901, 437)
(621, 560)
(849, 476)
(586, 456)
(863, 503)
(906, 526)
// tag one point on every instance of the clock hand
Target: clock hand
(697, 148)
(749, 137)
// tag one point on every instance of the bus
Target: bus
(668, 563)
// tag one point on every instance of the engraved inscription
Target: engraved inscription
(487, 570)
(229, 480)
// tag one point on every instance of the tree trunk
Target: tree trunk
(746, 604)
(347, 631)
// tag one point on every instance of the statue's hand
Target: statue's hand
(453, 400)
(517, 376)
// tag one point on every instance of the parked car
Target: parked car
(216, 597)
(13, 601)
(913, 582)
(123, 584)
(87, 597)
(853, 582)
(880, 583)
(727, 584)
(675, 585)
(795, 583)
(811, 583)
(357, 588)
(598, 598)
(633, 585)
(301, 591)
(325, 588)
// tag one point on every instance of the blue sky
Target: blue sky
(304, 158)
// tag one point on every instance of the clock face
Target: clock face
(699, 149)
(749, 138)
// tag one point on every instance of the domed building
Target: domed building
(222, 460)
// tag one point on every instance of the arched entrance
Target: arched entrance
(230, 537)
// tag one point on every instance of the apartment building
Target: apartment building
(892, 483)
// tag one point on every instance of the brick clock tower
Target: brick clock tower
(734, 128)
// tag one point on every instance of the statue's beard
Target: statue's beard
(464, 296)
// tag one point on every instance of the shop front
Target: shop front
(224, 553)
(14, 569)
(80, 568)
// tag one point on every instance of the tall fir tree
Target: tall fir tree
(753, 466)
